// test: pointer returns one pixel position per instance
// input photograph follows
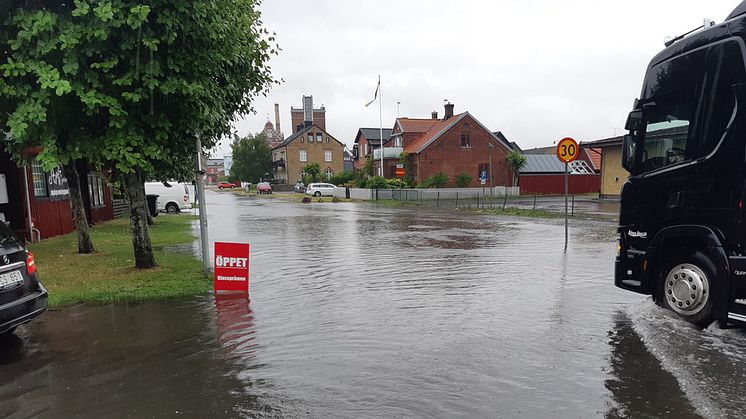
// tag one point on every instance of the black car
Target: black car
(22, 296)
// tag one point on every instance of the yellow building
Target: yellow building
(613, 175)
(307, 146)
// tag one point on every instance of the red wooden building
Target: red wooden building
(545, 174)
(36, 205)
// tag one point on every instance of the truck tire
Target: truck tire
(685, 286)
(172, 208)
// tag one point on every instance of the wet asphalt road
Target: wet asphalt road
(364, 311)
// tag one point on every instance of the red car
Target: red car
(228, 185)
(263, 187)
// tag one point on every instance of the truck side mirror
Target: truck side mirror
(634, 120)
(629, 151)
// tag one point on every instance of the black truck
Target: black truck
(682, 226)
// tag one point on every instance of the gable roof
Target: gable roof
(291, 138)
(510, 144)
(373, 135)
(432, 129)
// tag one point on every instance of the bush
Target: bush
(341, 178)
(437, 180)
(463, 180)
(397, 183)
(377, 182)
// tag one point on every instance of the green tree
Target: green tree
(463, 180)
(128, 85)
(515, 161)
(313, 171)
(252, 158)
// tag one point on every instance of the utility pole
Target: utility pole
(200, 186)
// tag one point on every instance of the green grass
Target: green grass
(519, 212)
(108, 275)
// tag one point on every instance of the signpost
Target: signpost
(567, 151)
(231, 267)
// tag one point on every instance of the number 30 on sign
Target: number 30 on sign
(567, 150)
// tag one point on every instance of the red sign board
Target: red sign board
(231, 264)
(567, 150)
(399, 172)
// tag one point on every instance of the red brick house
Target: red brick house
(455, 144)
(44, 196)
(367, 140)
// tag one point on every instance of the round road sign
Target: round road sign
(567, 150)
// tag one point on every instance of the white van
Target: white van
(172, 196)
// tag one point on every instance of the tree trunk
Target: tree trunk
(85, 245)
(151, 219)
(144, 258)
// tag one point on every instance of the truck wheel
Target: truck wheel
(317, 194)
(685, 287)
(172, 208)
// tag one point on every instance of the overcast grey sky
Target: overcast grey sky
(535, 70)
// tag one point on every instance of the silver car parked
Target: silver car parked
(320, 189)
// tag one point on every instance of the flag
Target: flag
(375, 95)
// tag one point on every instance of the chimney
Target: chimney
(434, 115)
(308, 110)
(449, 111)
(277, 117)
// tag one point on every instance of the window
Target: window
(327, 139)
(465, 139)
(397, 142)
(319, 138)
(39, 179)
(327, 155)
(310, 138)
(96, 190)
(329, 173)
(303, 156)
(302, 139)
(366, 149)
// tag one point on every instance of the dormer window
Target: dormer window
(397, 142)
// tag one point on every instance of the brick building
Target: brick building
(367, 140)
(455, 144)
(307, 146)
(302, 118)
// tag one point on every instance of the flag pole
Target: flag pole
(380, 122)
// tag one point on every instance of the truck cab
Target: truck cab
(681, 221)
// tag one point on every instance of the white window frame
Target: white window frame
(327, 156)
(329, 173)
(303, 155)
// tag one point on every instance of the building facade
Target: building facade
(366, 141)
(310, 145)
(453, 145)
(36, 203)
(613, 175)
(307, 115)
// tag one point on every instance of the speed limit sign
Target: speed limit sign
(567, 150)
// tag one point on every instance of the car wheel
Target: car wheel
(220, 187)
(172, 208)
(685, 286)
(317, 194)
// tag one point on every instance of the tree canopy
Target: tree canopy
(252, 158)
(128, 84)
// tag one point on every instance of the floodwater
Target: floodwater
(365, 311)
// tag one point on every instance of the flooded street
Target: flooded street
(364, 311)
